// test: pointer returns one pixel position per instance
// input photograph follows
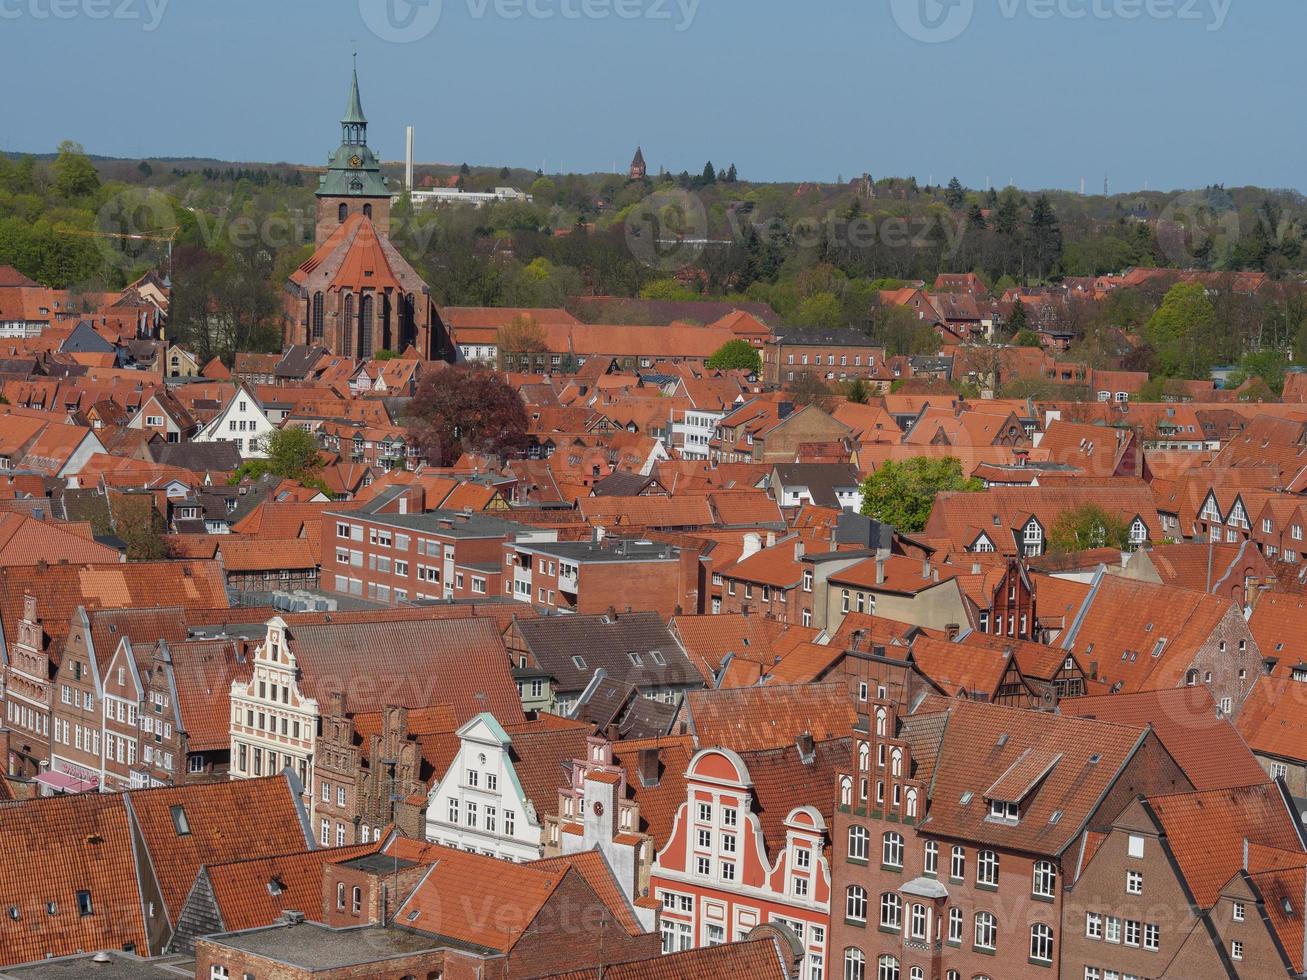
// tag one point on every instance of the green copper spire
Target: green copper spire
(354, 113)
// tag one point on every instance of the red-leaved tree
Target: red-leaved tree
(466, 408)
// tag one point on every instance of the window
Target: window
(1093, 925)
(930, 858)
(356, 900)
(986, 930)
(1045, 878)
(1134, 883)
(1135, 846)
(1133, 928)
(917, 922)
(892, 851)
(855, 965)
(855, 904)
(1041, 943)
(1236, 950)
(858, 843)
(179, 822)
(84, 903)
(1112, 931)
(218, 971)
(955, 925)
(1151, 936)
(1238, 911)
(987, 868)
(958, 863)
(891, 911)
(887, 968)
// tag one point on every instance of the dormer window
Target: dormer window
(1003, 810)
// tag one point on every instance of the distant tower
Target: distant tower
(866, 186)
(353, 181)
(638, 169)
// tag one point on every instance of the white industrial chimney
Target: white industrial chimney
(408, 165)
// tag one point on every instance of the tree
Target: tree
(74, 174)
(955, 196)
(820, 311)
(292, 454)
(520, 335)
(1182, 331)
(903, 493)
(902, 333)
(1045, 236)
(857, 392)
(466, 408)
(1026, 338)
(709, 174)
(735, 355)
(808, 388)
(1088, 526)
(731, 175)
(1018, 321)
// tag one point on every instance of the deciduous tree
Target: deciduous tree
(466, 408)
(903, 493)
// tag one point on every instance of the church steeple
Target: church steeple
(354, 127)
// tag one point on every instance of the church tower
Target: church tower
(353, 181)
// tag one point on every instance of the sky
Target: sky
(1041, 93)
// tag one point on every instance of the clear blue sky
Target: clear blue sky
(786, 89)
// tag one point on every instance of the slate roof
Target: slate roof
(607, 642)
(220, 455)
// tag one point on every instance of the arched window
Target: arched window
(986, 930)
(317, 316)
(892, 850)
(859, 840)
(1041, 943)
(347, 334)
(880, 721)
(367, 211)
(912, 803)
(864, 756)
(1191, 678)
(846, 791)
(342, 213)
(1045, 879)
(987, 868)
(887, 968)
(896, 762)
(356, 900)
(365, 326)
(340, 895)
(919, 922)
(855, 964)
(917, 974)
(891, 911)
(855, 903)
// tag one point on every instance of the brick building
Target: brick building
(957, 829)
(834, 356)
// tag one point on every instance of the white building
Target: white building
(272, 725)
(242, 421)
(455, 195)
(479, 804)
(692, 433)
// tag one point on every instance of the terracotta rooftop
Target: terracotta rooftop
(747, 719)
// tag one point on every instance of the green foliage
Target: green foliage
(903, 493)
(74, 174)
(1182, 332)
(736, 355)
(668, 289)
(384, 355)
(1026, 338)
(858, 393)
(292, 455)
(1088, 526)
(820, 311)
(1270, 366)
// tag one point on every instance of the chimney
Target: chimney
(807, 747)
(855, 641)
(925, 568)
(771, 539)
(880, 569)
(408, 163)
(336, 703)
(953, 630)
(648, 767)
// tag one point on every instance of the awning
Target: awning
(61, 782)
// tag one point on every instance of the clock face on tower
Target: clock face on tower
(356, 161)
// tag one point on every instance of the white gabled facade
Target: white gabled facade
(273, 726)
(242, 421)
(479, 804)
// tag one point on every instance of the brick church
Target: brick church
(357, 295)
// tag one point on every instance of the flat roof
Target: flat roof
(449, 523)
(618, 551)
(313, 946)
(120, 966)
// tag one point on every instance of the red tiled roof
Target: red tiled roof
(1206, 832)
(769, 717)
(1207, 747)
(757, 959)
(1274, 718)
